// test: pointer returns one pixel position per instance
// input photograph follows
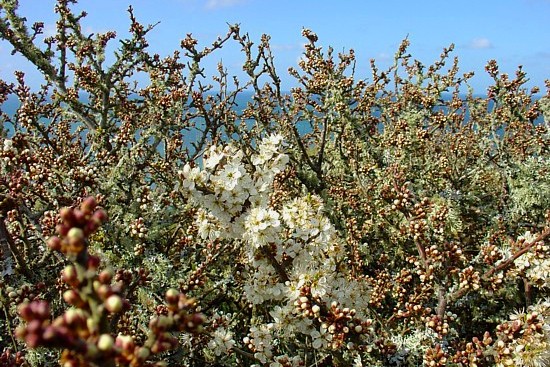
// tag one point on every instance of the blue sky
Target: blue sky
(514, 32)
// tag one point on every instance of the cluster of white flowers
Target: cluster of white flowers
(284, 361)
(221, 342)
(233, 203)
(260, 342)
(530, 349)
(7, 153)
(228, 191)
(262, 226)
(8, 146)
(535, 266)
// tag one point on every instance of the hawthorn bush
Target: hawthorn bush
(387, 221)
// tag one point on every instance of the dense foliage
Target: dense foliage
(387, 221)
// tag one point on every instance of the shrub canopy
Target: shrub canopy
(396, 220)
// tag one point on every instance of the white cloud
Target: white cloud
(218, 4)
(480, 43)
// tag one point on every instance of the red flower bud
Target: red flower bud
(88, 205)
(70, 275)
(79, 216)
(49, 333)
(68, 216)
(33, 340)
(91, 227)
(40, 309)
(93, 262)
(34, 326)
(172, 296)
(54, 243)
(105, 276)
(25, 312)
(73, 298)
(62, 229)
(100, 216)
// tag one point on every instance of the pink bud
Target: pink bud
(73, 298)
(41, 309)
(62, 229)
(25, 311)
(67, 215)
(88, 205)
(105, 276)
(100, 216)
(70, 276)
(79, 217)
(33, 340)
(93, 262)
(34, 326)
(54, 243)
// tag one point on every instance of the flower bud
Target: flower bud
(74, 318)
(172, 296)
(54, 243)
(91, 227)
(79, 217)
(75, 234)
(34, 326)
(105, 276)
(49, 333)
(33, 340)
(62, 229)
(88, 205)
(25, 312)
(103, 291)
(73, 298)
(70, 275)
(113, 304)
(100, 216)
(93, 262)
(67, 215)
(40, 309)
(125, 342)
(105, 342)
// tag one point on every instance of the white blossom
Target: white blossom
(221, 342)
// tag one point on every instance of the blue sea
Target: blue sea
(11, 105)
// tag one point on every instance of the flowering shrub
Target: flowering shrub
(389, 222)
